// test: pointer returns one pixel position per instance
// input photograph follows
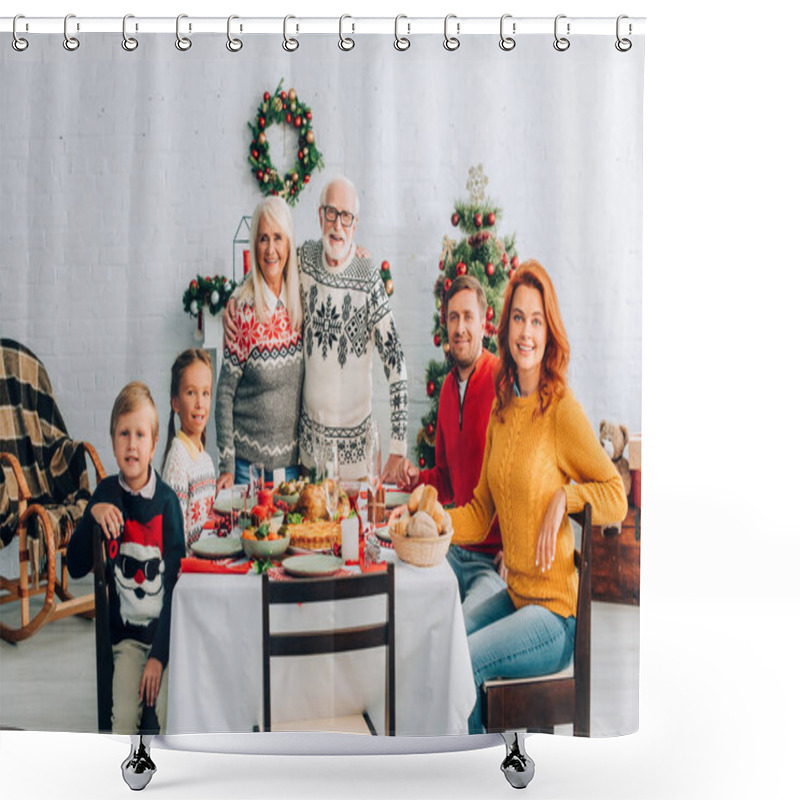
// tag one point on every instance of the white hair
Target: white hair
(347, 182)
(276, 212)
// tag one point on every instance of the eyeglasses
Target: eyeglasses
(348, 217)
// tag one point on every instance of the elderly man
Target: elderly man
(346, 314)
(465, 403)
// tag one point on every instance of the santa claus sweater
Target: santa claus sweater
(142, 564)
(460, 440)
(346, 315)
(189, 472)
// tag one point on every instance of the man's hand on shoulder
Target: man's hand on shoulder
(362, 252)
(229, 321)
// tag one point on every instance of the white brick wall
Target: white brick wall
(124, 174)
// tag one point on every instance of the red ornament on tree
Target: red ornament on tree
(461, 268)
(429, 429)
(441, 265)
(289, 118)
(283, 95)
(260, 175)
(490, 313)
(437, 339)
(306, 178)
(262, 123)
(422, 461)
(266, 97)
(254, 153)
(298, 121)
(490, 218)
(430, 388)
(308, 115)
(447, 283)
(490, 269)
(514, 262)
(478, 219)
(455, 219)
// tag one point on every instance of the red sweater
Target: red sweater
(460, 440)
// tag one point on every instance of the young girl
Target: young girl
(187, 467)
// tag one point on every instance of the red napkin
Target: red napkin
(225, 566)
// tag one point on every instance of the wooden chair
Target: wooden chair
(102, 632)
(333, 641)
(538, 704)
(42, 465)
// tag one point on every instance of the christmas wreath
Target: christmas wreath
(283, 108)
(213, 293)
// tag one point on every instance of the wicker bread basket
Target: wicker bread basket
(421, 552)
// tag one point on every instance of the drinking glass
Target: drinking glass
(373, 452)
(332, 480)
(258, 474)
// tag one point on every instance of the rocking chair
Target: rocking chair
(44, 488)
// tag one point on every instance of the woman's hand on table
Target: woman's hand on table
(408, 476)
(546, 545)
(228, 321)
(151, 681)
(225, 481)
(109, 518)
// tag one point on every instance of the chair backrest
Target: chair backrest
(582, 658)
(102, 633)
(301, 643)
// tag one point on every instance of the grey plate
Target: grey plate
(312, 566)
(217, 547)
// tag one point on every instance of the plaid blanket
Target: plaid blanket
(32, 429)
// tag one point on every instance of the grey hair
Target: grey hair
(347, 182)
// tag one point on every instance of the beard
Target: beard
(335, 251)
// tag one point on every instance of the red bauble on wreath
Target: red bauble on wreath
(429, 429)
(274, 111)
(430, 388)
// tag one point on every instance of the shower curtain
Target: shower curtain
(129, 178)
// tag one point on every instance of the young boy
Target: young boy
(142, 524)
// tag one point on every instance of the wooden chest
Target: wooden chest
(615, 562)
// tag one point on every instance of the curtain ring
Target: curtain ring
(70, 42)
(507, 42)
(623, 45)
(18, 43)
(233, 44)
(451, 42)
(128, 42)
(183, 43)
(290, 45)
(400, 42)
(561, 43)
(345, 42)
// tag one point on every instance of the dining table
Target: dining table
(215, 664)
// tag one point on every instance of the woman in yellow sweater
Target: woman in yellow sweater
(542, 461)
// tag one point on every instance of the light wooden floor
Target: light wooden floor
(47, 683)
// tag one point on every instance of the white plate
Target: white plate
(312, 566)
(382, 532)
(217, 547)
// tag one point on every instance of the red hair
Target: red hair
(553, 380)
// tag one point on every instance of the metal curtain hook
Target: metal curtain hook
(345, 42)
(128, 42)
(623, 45)
(400, 42)
(233, 44)
(18, 43)
(451, 42)
(290, 45)
(183, 43)
(70, 42)
(561, 43)
(507, 42)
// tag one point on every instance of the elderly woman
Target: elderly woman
(542, 461)
(261, 380)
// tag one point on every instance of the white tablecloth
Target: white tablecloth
(215, 657)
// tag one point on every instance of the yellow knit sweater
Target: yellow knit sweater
(525, 462)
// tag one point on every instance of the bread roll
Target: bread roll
(438, 516)
(401, 525)
(447, 524)
(416, 496)
(428, 500)
(422, 526)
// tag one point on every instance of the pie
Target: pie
(321, 535)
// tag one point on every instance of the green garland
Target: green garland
(283, 108)
(202, 292)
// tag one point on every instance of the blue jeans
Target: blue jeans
(241, 473)
(505, 642)
(477, 577)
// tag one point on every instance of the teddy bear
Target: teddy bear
(614, 439)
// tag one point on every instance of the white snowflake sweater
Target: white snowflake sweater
(189, 472)
(346, 314)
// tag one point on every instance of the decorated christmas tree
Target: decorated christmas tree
(484, 255)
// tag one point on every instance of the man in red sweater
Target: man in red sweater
(464, 406)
